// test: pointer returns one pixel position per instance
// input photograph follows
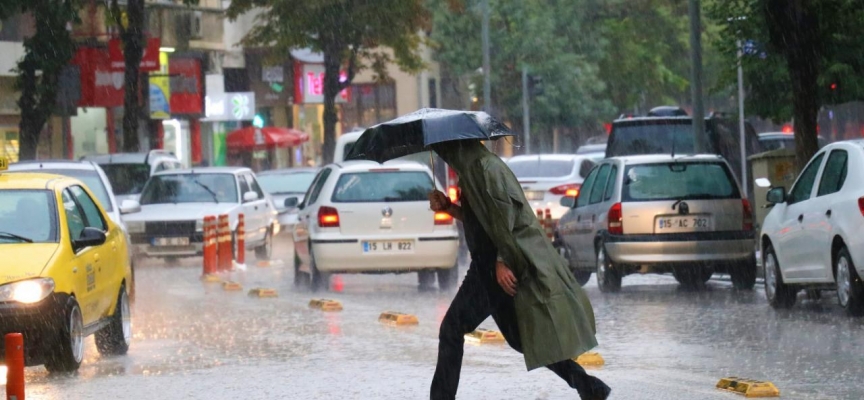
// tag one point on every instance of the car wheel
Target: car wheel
(68, 350)
(265, 251)
(301, 279)
(581, 276)
(426, 281)
(115, 338)
(850, 290)
(447, 278)
(779, 294)
(743, 275)
(320, 281)
(608, 279)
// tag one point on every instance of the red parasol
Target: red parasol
(252, 137)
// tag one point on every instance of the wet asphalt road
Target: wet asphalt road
(195, 341)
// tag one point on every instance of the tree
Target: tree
(354, 34)
(799, 56)
(46, 53)
(549, 37)
(132, 35)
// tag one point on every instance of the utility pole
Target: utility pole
(699, 142)
(487, 68)
(526, 112)
(741, 132)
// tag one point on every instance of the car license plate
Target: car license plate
(171, 241)
(394, 246)
(535, 194)
(689, 223)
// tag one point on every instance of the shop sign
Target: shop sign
(309, 85)
(160, 97)
(239, 106)
(185, 83)
(273, 74)
(149, 61)
(100, 85)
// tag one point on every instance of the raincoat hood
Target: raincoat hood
(555, 317)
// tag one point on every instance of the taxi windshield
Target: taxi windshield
(27, 216)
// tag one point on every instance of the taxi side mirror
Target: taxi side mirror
(90, 237)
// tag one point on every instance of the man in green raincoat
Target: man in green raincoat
(516, 276)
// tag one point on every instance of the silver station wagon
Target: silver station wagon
(659, 213)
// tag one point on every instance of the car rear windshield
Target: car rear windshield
(27, 215)
(540, 168)
(90, 178)
(127, 179)
(679, 181)
(190, 188)
(296, 182)
(390, 186)
(651, 138)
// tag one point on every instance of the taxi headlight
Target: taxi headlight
(28, 292)
(135, 227)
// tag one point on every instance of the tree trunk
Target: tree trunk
(793, 28)
(31, 124)
(332, 87)
(133, 51)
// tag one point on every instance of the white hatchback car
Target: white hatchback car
(546, 178)
(364, 217)
(813, 238)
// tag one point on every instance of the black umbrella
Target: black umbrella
(414, 132)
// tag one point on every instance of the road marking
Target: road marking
(397, 318)
(748, 387)
(262, 292)
(484, 336)
(231, 286)
(325, 305)
(590, 359)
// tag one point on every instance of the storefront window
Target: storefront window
(370, 104)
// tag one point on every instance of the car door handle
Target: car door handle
(828, 213)
(801, 218)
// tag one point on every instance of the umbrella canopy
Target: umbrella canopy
(414, 132)
(252, 137)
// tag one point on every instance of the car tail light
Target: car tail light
(571, 190)
(328, 217)
(616, 220)
(748, 215)
(861, 205)
(453, 194)
(442, 218)
(452, 185)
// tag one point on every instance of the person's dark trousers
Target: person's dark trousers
(478, 298)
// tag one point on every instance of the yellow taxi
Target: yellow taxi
(64, 270)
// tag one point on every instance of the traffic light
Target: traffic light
(258, 121)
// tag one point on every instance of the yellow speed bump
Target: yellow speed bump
(325, 305)
(262, 292)
(484, 336)
(396, 318)
(231, 286)
(748, 387)
(590, 359)
(210, 278)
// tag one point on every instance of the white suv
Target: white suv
(363, 217)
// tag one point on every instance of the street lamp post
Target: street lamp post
(741, 129)
(699, 142)
(487, 69)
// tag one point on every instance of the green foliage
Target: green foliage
(352, 34)
(47, 52)
(547, 36)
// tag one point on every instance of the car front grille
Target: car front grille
(170, 228)
(144, 238)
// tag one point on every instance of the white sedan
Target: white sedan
(363, 217)
(546, 178)
(174, 204)
(813, 238)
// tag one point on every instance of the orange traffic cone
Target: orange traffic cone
(338, 285)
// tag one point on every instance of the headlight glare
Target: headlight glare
(27, 292)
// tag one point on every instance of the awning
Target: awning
(252, 137)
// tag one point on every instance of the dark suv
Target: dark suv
(665, 133)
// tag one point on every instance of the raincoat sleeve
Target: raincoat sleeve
(503, 209)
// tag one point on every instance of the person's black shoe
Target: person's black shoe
(599, 391)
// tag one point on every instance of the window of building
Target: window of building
(370, 104)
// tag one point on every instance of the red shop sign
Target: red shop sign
(100, 85)
(186, 87)
(149, 62)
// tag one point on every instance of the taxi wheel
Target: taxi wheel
(265, 251)
(115, 338)
(68, 351)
